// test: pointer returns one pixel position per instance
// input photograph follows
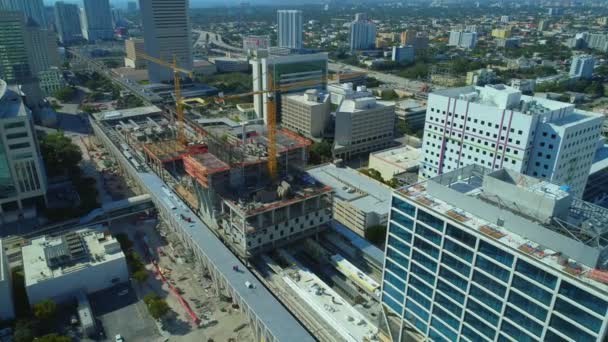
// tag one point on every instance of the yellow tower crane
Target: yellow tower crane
(179, 101)
(272, 92)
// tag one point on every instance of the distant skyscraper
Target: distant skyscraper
(99, 19)
(362, 33)
(289, 28)
(33, 9)
(166, 34)
(14, 65)
(582, 66)
(67, 21)
(465, 40)
(41, 48)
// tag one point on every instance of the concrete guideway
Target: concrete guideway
(268, 318)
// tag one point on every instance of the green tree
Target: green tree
(45, 310)
(376, 234)
(53, 338)
(373, 173)
(65, 94)
(59, 153)
(320, 152)
(156, 306)
(129, 101)
(140, 276)
(125, 243)
(25, 330)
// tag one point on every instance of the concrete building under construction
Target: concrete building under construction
(223, 176)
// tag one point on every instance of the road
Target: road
(391, 80)
(216, 39)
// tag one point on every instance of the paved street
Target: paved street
(392, 80)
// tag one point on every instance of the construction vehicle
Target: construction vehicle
(179, 105)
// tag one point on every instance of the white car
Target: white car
(119, 338)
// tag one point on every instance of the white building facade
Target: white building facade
(363, 125)
(496, 126)
(289, 29)
(582, 67)
(59, 268)
(22, 176)
(464, 40)
(362, 33)
(99, 20)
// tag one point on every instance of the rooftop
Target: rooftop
(50, 257)
(120, 114)
(526, 215)
(411, 105)
(403, 157)
(349, 185)
(345, 319)
(600, 160)
(362, 104)
(311, 97)
(504, 97)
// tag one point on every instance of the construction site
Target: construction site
(209, 170)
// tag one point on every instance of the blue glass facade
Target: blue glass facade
(452, 283)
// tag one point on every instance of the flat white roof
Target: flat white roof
(403, 157)
(99, 248)
(126, 113)
(345, 319)
(366, 194)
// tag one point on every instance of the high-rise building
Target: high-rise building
(132, 6)
(408, 37)
(597, 41)
(14, 66)
(496, 126)
(67, 22)
(299, 72)
(22, 179)
(505, 19)
(543, 25)
(41, 48)
(362, 33)
(582, 67)
(403, 54)
(82, 16)
(33, 9)
(99, 19)
(494, 255)
(464, 40)
(133, 46)
(289, 29)
(166, 35)
(7, 310)
(363, 125)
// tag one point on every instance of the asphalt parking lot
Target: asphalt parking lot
(123, 314)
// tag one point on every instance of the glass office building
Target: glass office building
(481, 255)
